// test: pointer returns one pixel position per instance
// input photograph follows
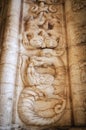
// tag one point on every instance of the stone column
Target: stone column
(76, 36)
(3, 11)
(8, 63)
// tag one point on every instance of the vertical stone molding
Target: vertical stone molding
(76, 35)
(8, 63)
(3, 11)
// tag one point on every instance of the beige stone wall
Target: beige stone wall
(20, 65)
(76, 35)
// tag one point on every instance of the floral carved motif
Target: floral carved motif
(43, 99)
(78, 4)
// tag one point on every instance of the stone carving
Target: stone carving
(41, 30)
(40, 102)
(49, 1)
(84, 105)
(78, 4)
(77, 58)
(43, 98)
(80, 38)
(83, 72)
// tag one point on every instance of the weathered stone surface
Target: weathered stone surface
(44, 99)
(8, 63)
(43, 65)
(76, 33)
(3, 13)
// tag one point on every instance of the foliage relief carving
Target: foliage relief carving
(43, 98)
(78, 5)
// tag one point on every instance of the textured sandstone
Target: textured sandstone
(43, 65)
(76, 34)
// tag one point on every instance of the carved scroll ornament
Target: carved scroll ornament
(42, 100)
(78, 5)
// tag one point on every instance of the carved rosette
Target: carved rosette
(43, 99)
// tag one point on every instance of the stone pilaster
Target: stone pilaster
(76, 35)
(3, 11)
(8, 63)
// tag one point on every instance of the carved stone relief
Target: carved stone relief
(42, 100)
(42, 80)
(78, 5)
(76, 32)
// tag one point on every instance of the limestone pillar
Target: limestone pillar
(3, 11)
(8, 63)
(76, 36)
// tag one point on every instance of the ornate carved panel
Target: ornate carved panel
(42, 79)
(43, 99)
